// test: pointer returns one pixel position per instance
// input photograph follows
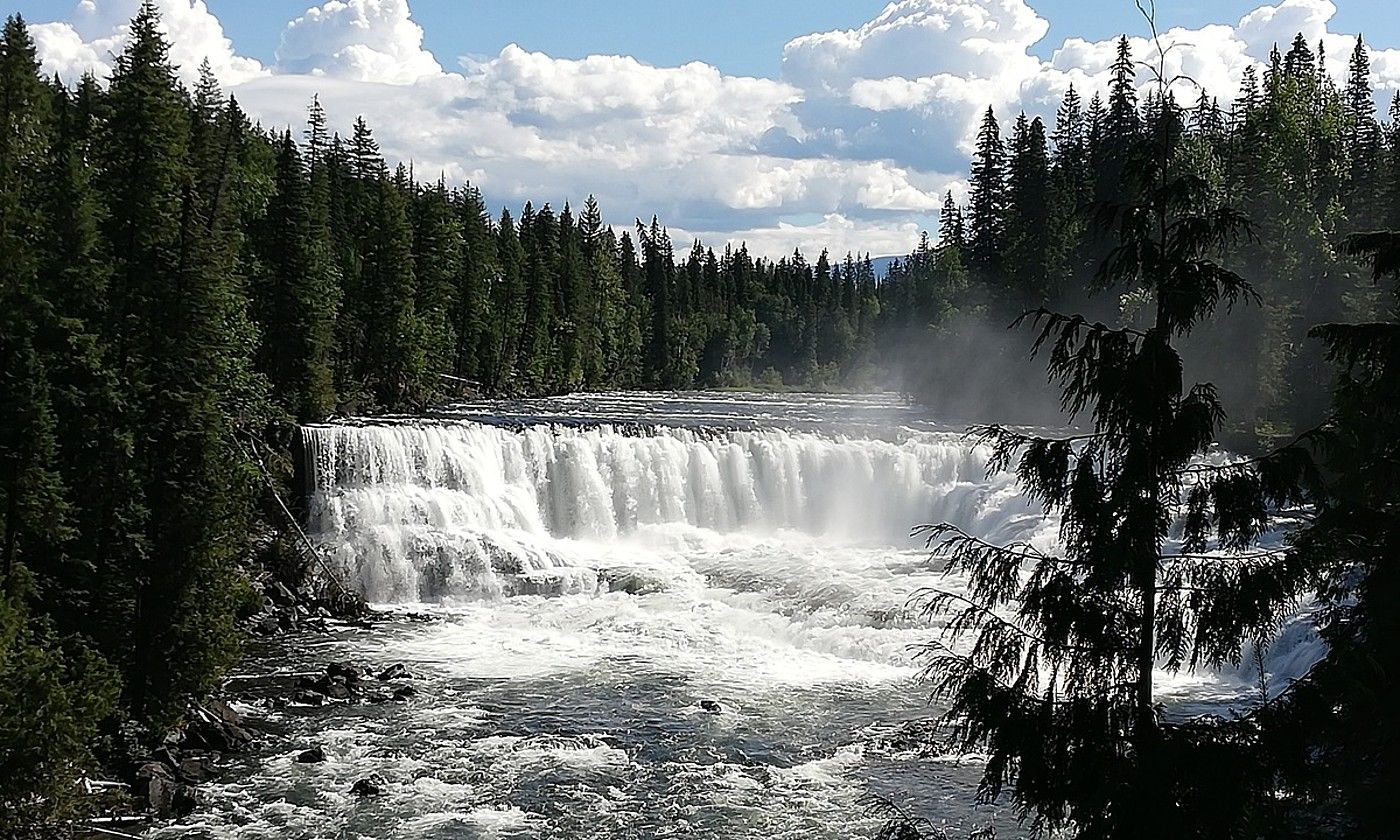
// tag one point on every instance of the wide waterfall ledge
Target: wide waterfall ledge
(812, 525)
(423, 512)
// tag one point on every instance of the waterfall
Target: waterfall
(792, 526)
(473, 510)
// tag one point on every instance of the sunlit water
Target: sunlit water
(600, 565)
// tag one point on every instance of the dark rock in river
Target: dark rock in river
(196, 769)
(372, 786)
(315, 755)
(348, 682)
(217, 727)
(335, 688)
(394, 672)
(160, 792)
(348, 672)
(711, 706)
(307, 697)
(168, 755)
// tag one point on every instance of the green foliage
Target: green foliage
(1338, 738)
(53, 694)
(1157, 565)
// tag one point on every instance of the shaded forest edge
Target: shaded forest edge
(182, 287)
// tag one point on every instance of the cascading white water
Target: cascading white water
(767, 568)
(458, 510)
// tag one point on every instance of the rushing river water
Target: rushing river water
(597, 567)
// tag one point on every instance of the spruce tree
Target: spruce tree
(394, 368)
(471, 307)
(33, 520)
(296, 296)
(438, 244)
(1362, 143)
(539, 239)
(508, 299)
(987, 202)
(1028, 228)
(1338, 733)
(1057, 683)
(172, 352)
(574, 345)
(951, 233)
(602, 331)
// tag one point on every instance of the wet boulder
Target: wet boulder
(196, 769)
(336, 688)
(158, 789)
(215, 726)
(307, 697)
(711, 706)
(315, 755)
(367, 787)
(394, 672)
(348, 672)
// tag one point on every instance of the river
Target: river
(599, 570)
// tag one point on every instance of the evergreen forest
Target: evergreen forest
(181, 286)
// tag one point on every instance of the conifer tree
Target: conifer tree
(603, 330)
(296, 297)
(1362, 141)
(573, 304)
(508, 299)
(54, 691)
(394, 366)
(1339, 731)
(438, 265)
(987, 204)
(1057, 685)
(172, 352)
(1029, 248)
(472, 300)
(539, 239)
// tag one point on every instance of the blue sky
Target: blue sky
(855, 122)
(741, 37)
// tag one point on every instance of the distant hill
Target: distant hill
(882, 265)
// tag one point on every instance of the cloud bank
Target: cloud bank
(851, 147)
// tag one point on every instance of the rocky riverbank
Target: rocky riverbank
(152, 782)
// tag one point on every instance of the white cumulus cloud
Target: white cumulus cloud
(97, 30)
(367, 40)
(851, 147)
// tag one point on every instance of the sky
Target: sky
(781, 123)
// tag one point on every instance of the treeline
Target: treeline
(371, 291)
(1304, 159)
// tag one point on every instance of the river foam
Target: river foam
(605, 568)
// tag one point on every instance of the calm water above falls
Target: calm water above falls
(602, 564)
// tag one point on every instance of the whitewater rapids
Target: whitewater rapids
(600, 566)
